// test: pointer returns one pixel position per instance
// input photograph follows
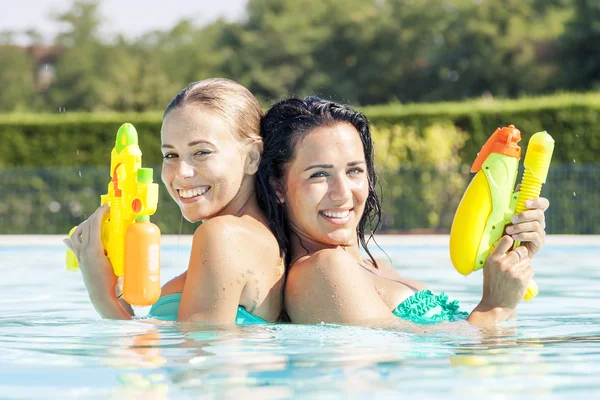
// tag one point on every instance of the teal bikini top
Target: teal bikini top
(167, 307)
(424, 307)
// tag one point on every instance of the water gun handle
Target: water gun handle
(72, 264)
(71, 260)
(537, 163)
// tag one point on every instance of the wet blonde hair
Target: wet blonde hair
(228, 99)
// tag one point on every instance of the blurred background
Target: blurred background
(435, 77)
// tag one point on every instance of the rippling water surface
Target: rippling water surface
(53, 344)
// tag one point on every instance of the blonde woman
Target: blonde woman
(211, 148)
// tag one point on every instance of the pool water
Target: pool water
(54, 345)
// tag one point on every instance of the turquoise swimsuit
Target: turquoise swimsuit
(167, 306)
(422, 307)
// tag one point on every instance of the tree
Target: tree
(272, 51)
(377, 51)
(17, 73)
(579, 46)
(494, 47)
(79, 73)
(185, 53)
(134, 79)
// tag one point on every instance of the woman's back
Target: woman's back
(258, 271)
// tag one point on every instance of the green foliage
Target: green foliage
(579, 46)
(423, 153)
(68, 139)
(54, 199)
(17, 72)
(83, 138)
(493, 48)
(572, 119)
(421, 171)
(356, 51)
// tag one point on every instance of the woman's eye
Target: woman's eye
(355, 171)
(169, 156)
(319, 175)
(201, 153)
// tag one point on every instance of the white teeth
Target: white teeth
(186, 194)
(331, 214)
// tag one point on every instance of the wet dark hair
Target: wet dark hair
(282, 128)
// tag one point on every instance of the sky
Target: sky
(132, 17)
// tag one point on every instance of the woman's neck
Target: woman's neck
(244, 203)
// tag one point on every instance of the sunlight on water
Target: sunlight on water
(53, 345)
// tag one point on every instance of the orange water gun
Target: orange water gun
(489, 203)
(131, 241)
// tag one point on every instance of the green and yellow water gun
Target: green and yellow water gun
(489, 202)
(130, 240)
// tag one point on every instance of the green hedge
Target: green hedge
(572, 119)
(423, 152)
(72, 139)
(85, 139)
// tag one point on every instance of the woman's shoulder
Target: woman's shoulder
(328, 263)
(246, 235)
(331, 286)
(233, 227)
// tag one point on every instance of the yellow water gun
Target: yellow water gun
(131, 241)
(489, 203)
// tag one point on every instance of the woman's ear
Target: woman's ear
(277, 188)
(253, 159)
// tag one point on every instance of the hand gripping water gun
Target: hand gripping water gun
(489, 202)
(131, 241)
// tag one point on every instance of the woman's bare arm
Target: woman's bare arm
(215, 280)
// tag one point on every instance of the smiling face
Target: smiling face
(326, 185)
(204, 164)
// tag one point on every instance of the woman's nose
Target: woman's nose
(185, 170)
(340, 190)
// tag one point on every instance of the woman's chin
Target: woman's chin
(340, 238)
(194, 215)
(192, 219)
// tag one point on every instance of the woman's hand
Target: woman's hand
(529, 226)
(506, 275)
(505, 280)
(96, 269)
